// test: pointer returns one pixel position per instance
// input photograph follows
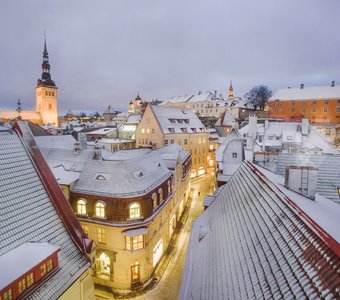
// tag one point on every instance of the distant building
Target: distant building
(44, 253)
(161, 126)
(109, 114)
(258, 239)
(46, 110)
(225, 123)
(136, 106)
(319, 104)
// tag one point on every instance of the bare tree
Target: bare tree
(259, 96)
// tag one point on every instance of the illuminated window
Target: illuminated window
(154, 200)
(134, 210)
(134, 242)
(100, 209)
(49, 265)
(81, 207)
(42, 270)
(143, 130)
(21, 286)
(29, 280)
(8, 295)
(169, 187)
(101, 235)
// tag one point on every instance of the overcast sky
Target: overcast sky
(105, 52)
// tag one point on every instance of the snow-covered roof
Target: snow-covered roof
(170, 153)
(114, 141)
(101, 131)
(177, 120)
(28, 213)
(129, 154)
(179, 99)
(226, 119)
(55, 141)
(307, 93)
(133, 118)
(277, 133)
(207, 96)
(109, 110)
(22, 259)
(123, 178)
(328, 175)
(255, 242)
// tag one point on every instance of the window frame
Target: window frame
(133, 215)
(101, 210)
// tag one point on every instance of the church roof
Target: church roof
(257, 241)
(34, 209)
(109, 110)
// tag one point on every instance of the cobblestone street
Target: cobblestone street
(169, 284)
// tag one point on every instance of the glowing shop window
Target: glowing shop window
(134, 243)
(42, 270)
(29, 280)
(21, 286)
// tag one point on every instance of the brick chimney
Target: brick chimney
(302, 180)
(302, 86)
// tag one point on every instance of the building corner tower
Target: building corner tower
(47, 94)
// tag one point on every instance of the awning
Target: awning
(135, 231)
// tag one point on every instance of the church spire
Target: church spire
(231, 90)
(45, 76)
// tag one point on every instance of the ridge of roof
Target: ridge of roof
(52, 188)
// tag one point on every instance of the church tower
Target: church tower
(46, 93)
(231, 91)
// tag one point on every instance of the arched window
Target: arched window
(100, 209)
(81, 206)
(160, 193)
(134, 210)
(154, 200)
(100, 177)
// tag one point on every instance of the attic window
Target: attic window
(171, 130)
(186, 121)
(100, 177)
(270, 137)
(202, 129)
(289, 137)
(193, 129)
(180, 120)
(184, 130)
(172, 120)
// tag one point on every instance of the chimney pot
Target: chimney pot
(76, 148)
(97, 153)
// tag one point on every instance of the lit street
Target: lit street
(169, 284)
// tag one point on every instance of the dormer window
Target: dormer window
(184, 130)
(172, 130)
(100, 177)
(100, 209)
(81, 206)
(172, 120)
(134, 210)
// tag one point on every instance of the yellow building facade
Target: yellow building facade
(161, 126)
